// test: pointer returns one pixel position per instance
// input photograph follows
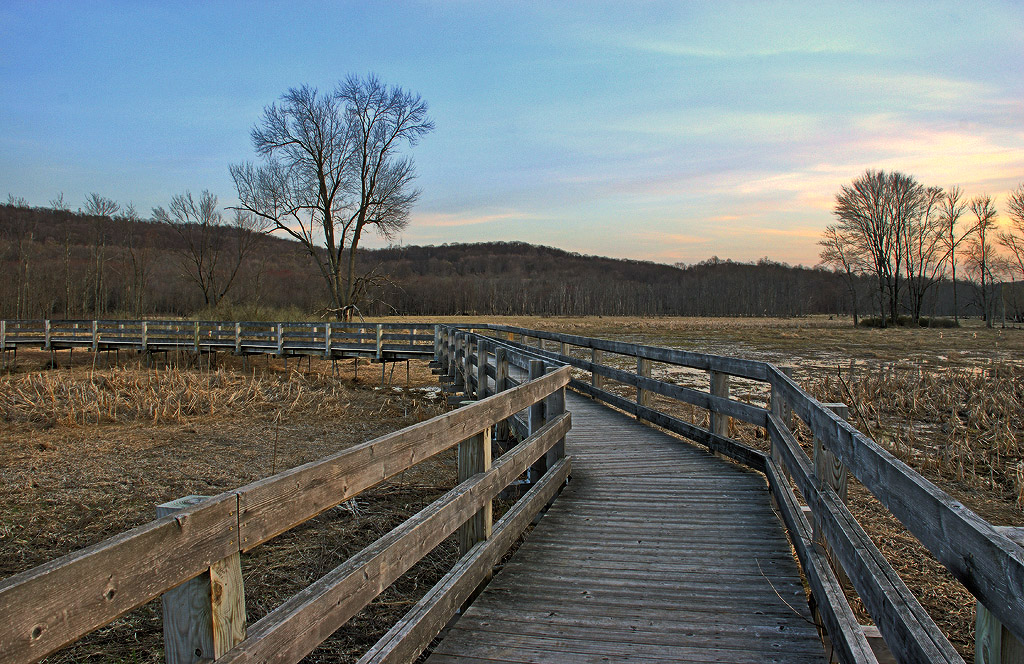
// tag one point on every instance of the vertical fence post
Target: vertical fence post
(380, 341)
(475, 457)
(280, 340)
(3, 335)
(501, 429)
(457, 366)
(437, 343)
(196, 337)
(145, 335)
(720, 388)
(467, 367)
(829, 471)
(536, 421)
(46, 332)
(327, 341)
(95, 336)
(643, 369)
(563, 348)
(204, 617)
(481, 369)
(993, 643)
(597, 357)
(238, 338)
(554, 405)
(782, 410)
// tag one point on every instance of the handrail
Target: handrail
(984, 559)
(54, 604)
(382, 341)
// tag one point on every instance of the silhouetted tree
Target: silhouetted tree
(332, 167)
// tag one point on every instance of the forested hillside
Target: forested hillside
(64, 264)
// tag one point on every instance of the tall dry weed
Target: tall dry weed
(162, 395)
(965, 423)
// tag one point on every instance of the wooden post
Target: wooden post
(563, 348)
(501, 429)
(3, 335)
(467, 365)
(475, 457)
(782, 410)
(95, 336)
(327, 341)
(204, 617)
(437, 343)
(993, 643)
(597, 357)
(196, 336)
(46, 332)
(481, 369)
(535, 421)
(280, 340)
(643, 368)
(238, 338)
(554, 405)
(829, 471)
(457, 366)
(145, 335)
(720, 388)
(380, 341)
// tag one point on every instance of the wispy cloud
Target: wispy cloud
(454, 219)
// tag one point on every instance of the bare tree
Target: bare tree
(101, 209)
(213, 248)
(1012, 239)
(951, 208)
(873, 212)
(333, 167)
(922, 244)
(839, 251)
(981, 259)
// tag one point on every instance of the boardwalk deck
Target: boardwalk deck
(657, 551)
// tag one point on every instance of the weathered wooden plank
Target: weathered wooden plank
(988, 563)
(276, 504)
(730, 365)
(411, 635)
(726, 446)
(908, 629)
(840, 622)
(742, 411)
(294, 629)
(475, 457)
(56, 603)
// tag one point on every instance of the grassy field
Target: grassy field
(87, 453)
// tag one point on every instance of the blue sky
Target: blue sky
(660, 131)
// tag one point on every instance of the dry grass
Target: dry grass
(86, 454)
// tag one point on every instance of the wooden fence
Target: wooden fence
(50, 606)
(829, 542)
(379, 341)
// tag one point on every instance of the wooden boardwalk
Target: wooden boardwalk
(657, 551)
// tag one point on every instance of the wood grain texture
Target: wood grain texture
(56, 603)
(294, 629)
(276, 504)
(411, 635)
(626, 565)
(988, 563)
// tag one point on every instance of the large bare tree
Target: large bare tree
(873, 213)
(924, 259)
(981, 257)
(101, 209)
(213, 248)
(951, 208)
(333, 166)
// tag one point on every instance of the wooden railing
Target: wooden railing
(830, 544)
(50, 606)
(375, 340)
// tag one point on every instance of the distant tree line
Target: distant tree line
(908, 239)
